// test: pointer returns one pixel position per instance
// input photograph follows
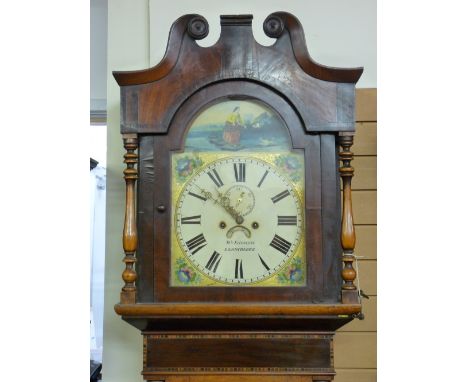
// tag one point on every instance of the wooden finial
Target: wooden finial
(198, 27)
(130, 239)
(349, 293)
(273, 26)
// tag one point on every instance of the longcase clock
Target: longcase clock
(239, 244)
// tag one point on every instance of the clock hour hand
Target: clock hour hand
(224, 202)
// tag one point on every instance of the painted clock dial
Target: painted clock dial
(237, 200)
(239, 220)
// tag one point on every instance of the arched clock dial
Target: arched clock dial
(239, 220)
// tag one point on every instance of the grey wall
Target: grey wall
(98, 46)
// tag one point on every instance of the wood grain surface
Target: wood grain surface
(366, 242)
(365, 173)
(238, 352)
(355, 350)
(365, 207)
(366, 105)
(365, 140)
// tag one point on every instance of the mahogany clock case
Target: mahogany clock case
(321, 211)
(316, 104)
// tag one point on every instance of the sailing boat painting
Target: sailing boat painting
(238, 126)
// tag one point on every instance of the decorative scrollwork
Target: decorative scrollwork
(273, 26)
(198, 27)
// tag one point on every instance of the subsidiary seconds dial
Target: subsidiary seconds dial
(239, 220)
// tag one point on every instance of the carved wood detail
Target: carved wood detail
(348, 236)
(273, 26)
(130, 239)
(176, 34)
(323, 96)
(198, 27)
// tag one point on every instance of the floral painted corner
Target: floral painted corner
(186, 166)
(294, 274)
(291, 166)
(185, 274)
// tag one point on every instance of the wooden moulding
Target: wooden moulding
(322, 96)
(222, 309)
(274, 26)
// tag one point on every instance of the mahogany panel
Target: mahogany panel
(238, 352)
(331, 211)
(319, 289)
(145, 208)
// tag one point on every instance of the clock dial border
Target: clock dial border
(298, 257)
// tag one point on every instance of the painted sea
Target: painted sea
(238, 126)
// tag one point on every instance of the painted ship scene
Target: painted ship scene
(237, 126)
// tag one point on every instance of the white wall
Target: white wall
(98, 54)
(339, 33)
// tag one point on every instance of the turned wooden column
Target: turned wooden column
(130, 239)
(349, 292)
